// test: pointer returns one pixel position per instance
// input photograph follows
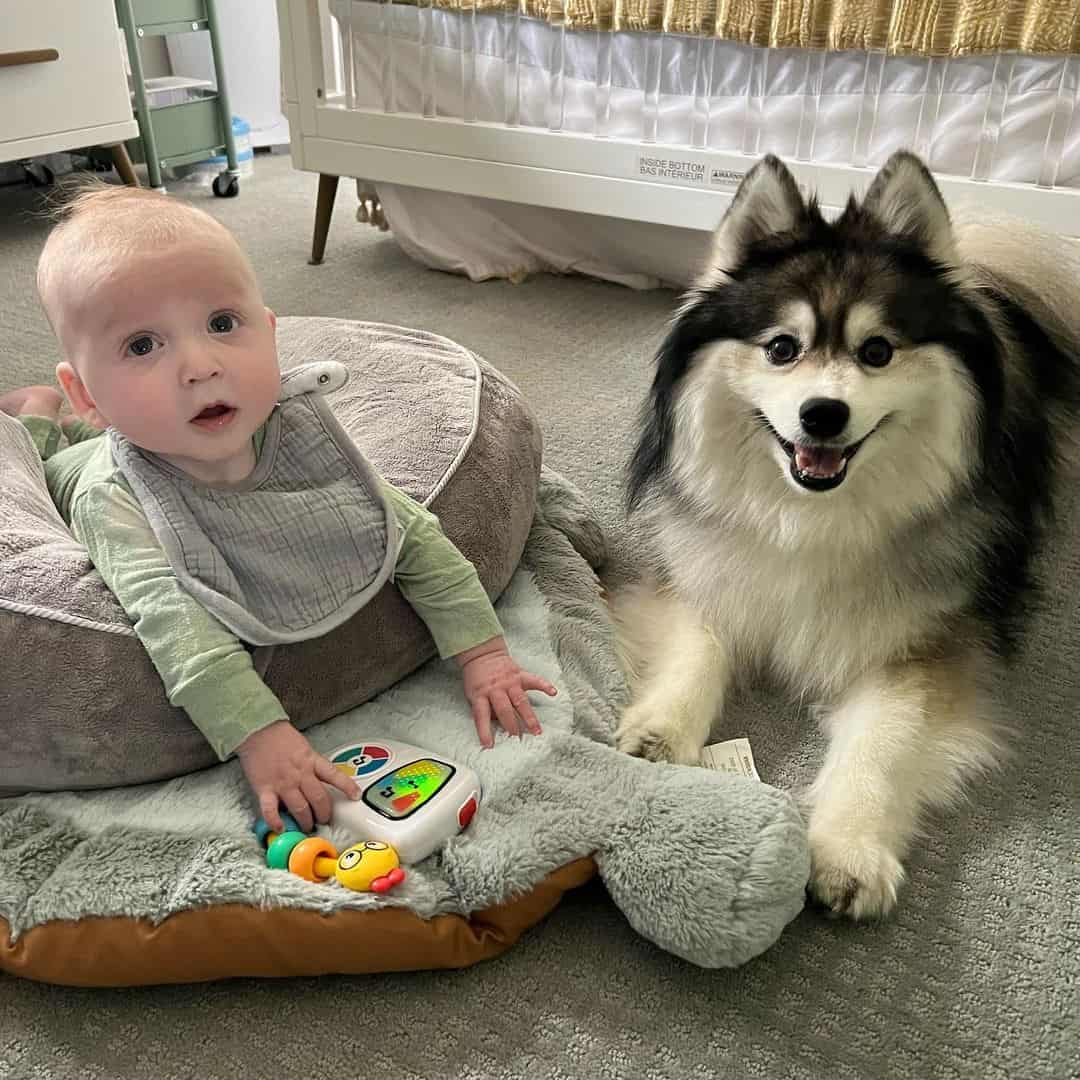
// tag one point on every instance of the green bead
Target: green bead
(277, 854)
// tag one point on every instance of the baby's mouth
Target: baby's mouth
(214, 417)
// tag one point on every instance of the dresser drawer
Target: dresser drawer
(83, 87)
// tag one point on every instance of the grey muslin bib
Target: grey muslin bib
(293, 550)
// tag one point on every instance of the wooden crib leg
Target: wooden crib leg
(123, 164)
(324, 209)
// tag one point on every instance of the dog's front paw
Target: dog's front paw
(854, 875)
(659, 733)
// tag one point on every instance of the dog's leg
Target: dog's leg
(684, 674)
(902, 740)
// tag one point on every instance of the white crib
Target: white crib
(658, 127)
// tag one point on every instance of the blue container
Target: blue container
(245, 156)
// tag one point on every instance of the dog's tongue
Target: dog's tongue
(818, 460)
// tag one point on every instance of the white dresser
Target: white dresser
(62, 78)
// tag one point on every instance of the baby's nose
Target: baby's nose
(199, 368)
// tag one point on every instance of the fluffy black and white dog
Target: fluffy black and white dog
(844, 467)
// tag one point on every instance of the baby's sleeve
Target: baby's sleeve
(439, 583)
(45, 434)
(205, 669)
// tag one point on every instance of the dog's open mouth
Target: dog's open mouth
(816, 466)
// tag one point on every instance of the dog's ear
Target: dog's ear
(905, 199)
(767, 202)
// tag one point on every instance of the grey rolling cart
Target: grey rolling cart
(181, 134)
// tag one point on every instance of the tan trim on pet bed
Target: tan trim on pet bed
(234, 940)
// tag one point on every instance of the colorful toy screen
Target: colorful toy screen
(403, 791)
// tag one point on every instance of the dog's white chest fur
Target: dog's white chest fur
(817, 617)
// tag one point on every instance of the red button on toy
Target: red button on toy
(465, 814)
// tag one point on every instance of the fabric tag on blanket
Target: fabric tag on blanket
(733, 756)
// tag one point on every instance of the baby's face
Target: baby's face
(177, 352)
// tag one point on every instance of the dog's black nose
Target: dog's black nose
(824, 417)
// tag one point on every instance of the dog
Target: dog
(844, 466)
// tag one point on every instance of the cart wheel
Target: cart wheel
(226, 186)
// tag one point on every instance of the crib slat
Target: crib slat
(654, 66)
(388, 73)
(753, 113)
(918, 144)
(556, 109)
(510, 22)
(426, 16)
(703, 90)
(602, 117)
(865, 125)
(996, 102)
(1071, 150)
(813, 77)
(937, 71)
(1060, 123)
(468, 64)
(347, 70)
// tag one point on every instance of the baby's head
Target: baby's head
(162, 327)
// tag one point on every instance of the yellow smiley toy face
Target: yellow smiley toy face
(370, 866)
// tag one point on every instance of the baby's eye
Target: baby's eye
(222, 323)
(141, 346)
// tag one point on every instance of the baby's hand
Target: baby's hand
(496, 689)
(281, 766)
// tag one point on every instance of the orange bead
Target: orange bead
(303, 856)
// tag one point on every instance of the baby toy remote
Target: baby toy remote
(409, 798)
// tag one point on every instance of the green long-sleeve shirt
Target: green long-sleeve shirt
(205, 668)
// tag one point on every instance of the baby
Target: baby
(166, 341)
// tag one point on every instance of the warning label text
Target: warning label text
(672, 169)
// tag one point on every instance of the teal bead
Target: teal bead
(262, 830)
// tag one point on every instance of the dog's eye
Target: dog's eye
(875, 352)
(782, 349)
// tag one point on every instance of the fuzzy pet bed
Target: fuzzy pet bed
(80, 703)
(165, 882)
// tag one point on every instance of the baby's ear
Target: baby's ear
(78, 396)
(273, 319)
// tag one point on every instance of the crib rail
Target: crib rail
(545, 130)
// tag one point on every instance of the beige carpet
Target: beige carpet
(976, 977)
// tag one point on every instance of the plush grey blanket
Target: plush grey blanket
(710, 866)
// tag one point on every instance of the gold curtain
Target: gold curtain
(922, 27)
